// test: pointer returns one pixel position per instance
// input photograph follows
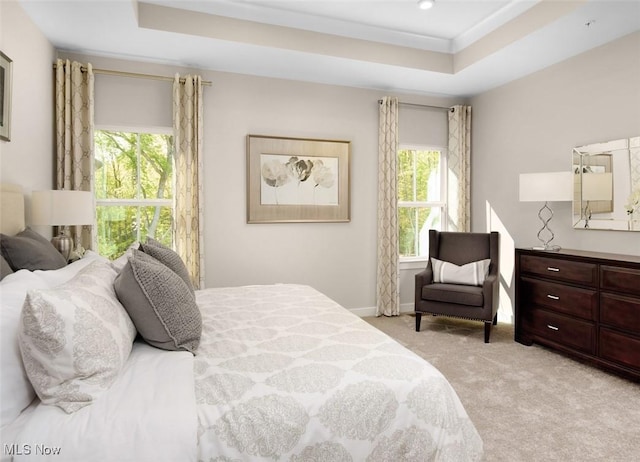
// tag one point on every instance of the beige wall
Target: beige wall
(531, 125)
(28, 158)
(338, 259)
(526, 126)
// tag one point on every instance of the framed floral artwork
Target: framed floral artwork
(297, 180)
(5, 97)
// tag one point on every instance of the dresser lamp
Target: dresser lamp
(546, 187)
(62, 208)
(595, 187)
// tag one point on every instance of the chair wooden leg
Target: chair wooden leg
(418, 319)
(495, 320)
(487, 331)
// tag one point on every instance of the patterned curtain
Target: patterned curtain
(388, 299)
(459, 174)
(74, 136)
(187, 132)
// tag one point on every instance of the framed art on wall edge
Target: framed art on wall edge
(297, 180)
(5, 97)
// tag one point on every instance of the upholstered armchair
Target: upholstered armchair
(452, 290)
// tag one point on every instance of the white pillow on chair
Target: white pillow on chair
(472, 274)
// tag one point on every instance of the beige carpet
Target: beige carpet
(528, 403)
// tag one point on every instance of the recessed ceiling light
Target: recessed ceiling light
(425, 4)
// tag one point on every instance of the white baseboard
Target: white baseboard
(371, 311)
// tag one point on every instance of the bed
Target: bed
(281, 372)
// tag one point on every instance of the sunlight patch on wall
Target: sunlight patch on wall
(507, 264)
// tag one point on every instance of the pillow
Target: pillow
(16, 391)
(29, 250)
(75, 338)
(5, 269)
(160, 303)
(169, 257)
(122, 260)
(472, 274)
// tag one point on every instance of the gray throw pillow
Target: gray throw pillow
(5, 269)
(159, 303)
(31, 251)
(169, 257)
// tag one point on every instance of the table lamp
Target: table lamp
(62, 208)
(546, 187)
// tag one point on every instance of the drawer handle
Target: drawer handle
(553, 297)
(551, 268)
(552, 327)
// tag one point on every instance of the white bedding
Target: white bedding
(146, 415)
(285, 373)
(282, 373)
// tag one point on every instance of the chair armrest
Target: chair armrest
(422, 279)
(491, 290)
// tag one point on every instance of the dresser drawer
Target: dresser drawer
(574, 333)
(618, 279)
(620, 311)
(561, 270)
(620, 348)
(569, 300)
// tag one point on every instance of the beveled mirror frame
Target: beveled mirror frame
(619, 209)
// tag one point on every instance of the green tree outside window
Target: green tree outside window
(134, 189)
(420, 201)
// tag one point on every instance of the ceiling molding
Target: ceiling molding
(533, 19)
(499, 18)
(482, 45)
(168, 19)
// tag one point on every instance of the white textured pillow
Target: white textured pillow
(75, 338)
(16, 391)
(472, 274)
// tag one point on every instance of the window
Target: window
(134, 189)
(421, 199)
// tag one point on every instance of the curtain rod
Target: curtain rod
(422, 105)
(135, 75)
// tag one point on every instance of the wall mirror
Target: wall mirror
(607, 185)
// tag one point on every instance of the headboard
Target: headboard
(11, 209)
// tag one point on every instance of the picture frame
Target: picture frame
(5, 96)
(297, 180)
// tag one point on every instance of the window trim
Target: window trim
(135, 129)
(135, 202)
(416, 262)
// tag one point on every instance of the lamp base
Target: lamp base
(553, 248)
(546, 214)
(63, 244)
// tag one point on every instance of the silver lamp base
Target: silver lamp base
(63, 244)
(545, 235)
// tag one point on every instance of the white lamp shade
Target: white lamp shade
(62, 208)
(597, 186)
(546, 187)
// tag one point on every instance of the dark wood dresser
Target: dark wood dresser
(585, 304)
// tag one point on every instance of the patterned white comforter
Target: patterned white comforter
(284, 373)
